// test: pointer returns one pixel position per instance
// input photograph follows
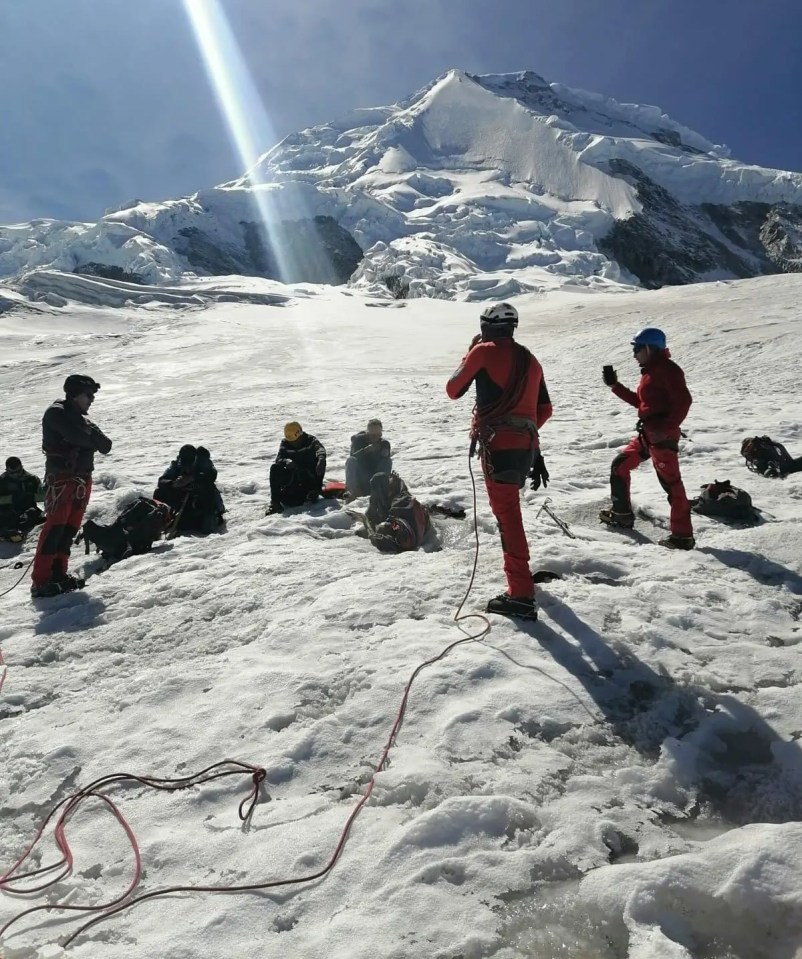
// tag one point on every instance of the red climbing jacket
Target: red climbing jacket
(662, 398)
(512, 401)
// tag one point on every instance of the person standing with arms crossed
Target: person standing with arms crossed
(69, 441)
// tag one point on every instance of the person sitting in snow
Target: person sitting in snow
(394, 520)
(370, 454)
(297, 474)
(188, 487)
(20, 494)
(662, 400)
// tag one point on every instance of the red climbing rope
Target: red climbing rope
(126, 900)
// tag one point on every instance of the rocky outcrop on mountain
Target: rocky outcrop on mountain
(108, 272)
(477, 187)
(669, 243)
(318, 249)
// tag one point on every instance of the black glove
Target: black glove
(539, 474)
(609, 376)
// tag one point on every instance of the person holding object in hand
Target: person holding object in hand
(662, 400)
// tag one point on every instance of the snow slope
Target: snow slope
(621, 779)
(475, 187)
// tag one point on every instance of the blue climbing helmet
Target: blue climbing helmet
(650, 336)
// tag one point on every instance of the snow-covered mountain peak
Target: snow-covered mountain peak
(473, 187)
(594, 113)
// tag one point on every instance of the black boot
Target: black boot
(624, 520)
(68, 583)
(520, 607)
(678, 542)
(55, 587)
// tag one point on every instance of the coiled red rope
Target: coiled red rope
(126, 899)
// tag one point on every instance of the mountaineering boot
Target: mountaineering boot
(678, 542)
(68, 583)
(520, 607)
(622, 520)
(45, 590)
(273, 508)
(55, 587)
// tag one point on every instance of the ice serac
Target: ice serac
(475, 187)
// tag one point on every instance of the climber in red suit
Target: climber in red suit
(512, 403)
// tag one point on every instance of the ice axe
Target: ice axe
(172, 529)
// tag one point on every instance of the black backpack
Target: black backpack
(765, 456)
(725, 501)
(135, 530)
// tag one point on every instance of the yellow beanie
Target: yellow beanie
(292, 431)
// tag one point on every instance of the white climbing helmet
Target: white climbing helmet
(501, 314)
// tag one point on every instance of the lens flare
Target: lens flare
(251, 130)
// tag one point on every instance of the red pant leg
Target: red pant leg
(666, 464)
(65, 504)
(505, 501)
(630, 458)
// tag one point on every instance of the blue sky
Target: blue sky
(105, 100)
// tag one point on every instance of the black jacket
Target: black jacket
(70, 440)
(202, 472)
(307, 454)
(20, 492)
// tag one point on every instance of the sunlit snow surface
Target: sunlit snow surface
(621, 779)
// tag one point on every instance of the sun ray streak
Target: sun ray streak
(250, 129)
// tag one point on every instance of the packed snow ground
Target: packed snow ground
(621, 779)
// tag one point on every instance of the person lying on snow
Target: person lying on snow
(296, 477)
(188, 487)
(395, 521)
(662, 401)
(370, 454)
(134, 531)
(20, 494)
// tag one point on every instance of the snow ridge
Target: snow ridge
(474, 187)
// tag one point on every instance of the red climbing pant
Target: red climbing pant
(505, 501)
(666, 464)
(66, 500)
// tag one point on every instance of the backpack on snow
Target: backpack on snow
(765, 456)
(725, 501)
(134, 531)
